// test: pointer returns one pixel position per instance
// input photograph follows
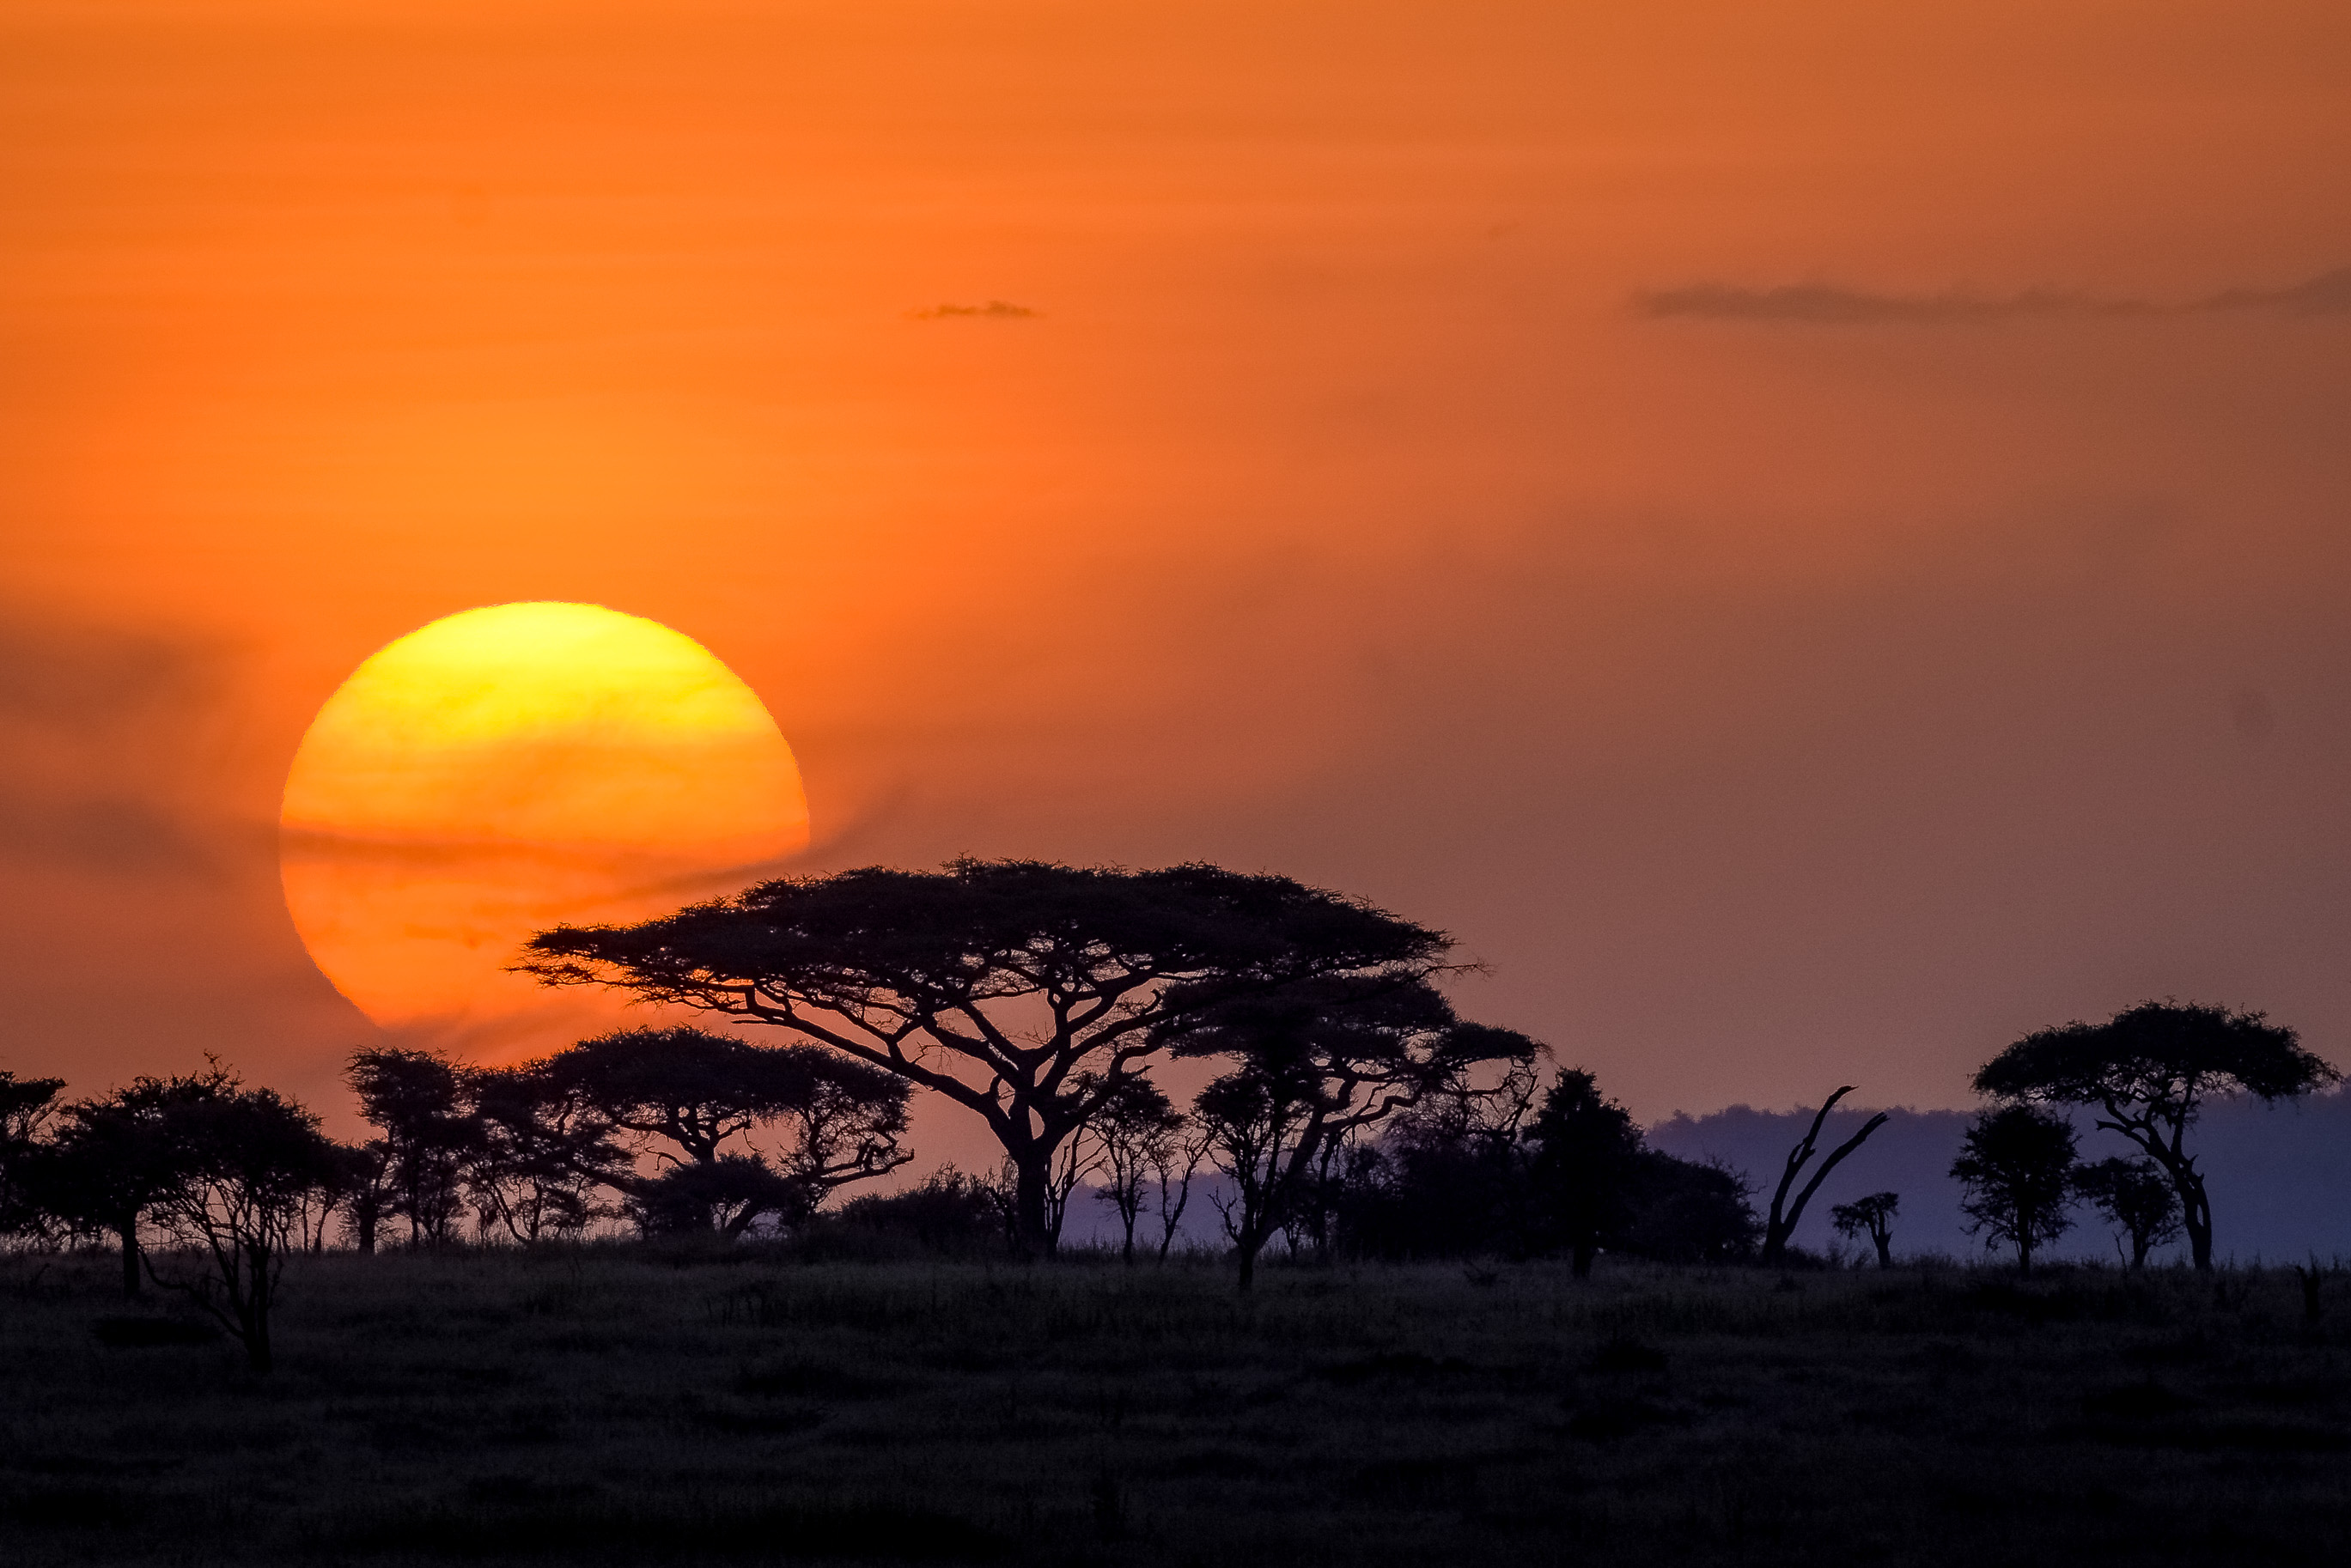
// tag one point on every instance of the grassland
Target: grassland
(604, 1404)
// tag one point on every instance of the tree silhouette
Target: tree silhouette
(1174, 1164)
(110, 1162)
(419, 1101)
(1784, 1215)
(1871, 1215)
(1586, 1168)
(2149, 1068)
(2138, 1199)
(994, 983)
(1319, 1063)
(1690, 1212)
(543, 1149)
(244, 1162)
(681, 1095)
(26, 1105)
(2016, 1165)
(1447, 1176)
(1138, 1129)
(727, 1194)
(366, 1182)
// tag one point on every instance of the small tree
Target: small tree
(2149, 1069)
(1173, 1165)
(246, 1161)
(1871, 1215)
(726, 1195)
(1319, 1064)
(368, 1194)
(420, 1102)
(2137, 1198)
(1586, 1168)
(543, 1150)
(1137, 1128)
(25, 1104)
(1447, 1177)
(110, 1162)
(687, 1097)
(1781, 1224)
(2017, 1167)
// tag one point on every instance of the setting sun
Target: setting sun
(508, 768)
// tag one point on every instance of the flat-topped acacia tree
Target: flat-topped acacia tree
(2149, 1069)
(1024, 990)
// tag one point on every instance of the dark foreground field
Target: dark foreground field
(602, 1406)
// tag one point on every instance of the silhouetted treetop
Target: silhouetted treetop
(25, 1104)
(2161, 1054)
(977, 930)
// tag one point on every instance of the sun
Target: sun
(508, 768)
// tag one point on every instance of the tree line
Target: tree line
(1354, 1112)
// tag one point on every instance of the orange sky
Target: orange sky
(1408, 480)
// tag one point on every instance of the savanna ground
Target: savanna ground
(608, 1404)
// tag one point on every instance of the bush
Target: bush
(949, 1211)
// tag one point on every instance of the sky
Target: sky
(1810, 536)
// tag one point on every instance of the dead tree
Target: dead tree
(1784, 1215)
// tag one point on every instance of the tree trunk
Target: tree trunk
(1885, 1251)
(1029, 1175)
(131, 1286)
(1782, 1223)
(254, 1314)
(1248, 1247)
(2196, 1214)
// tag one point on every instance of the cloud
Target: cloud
(994, 310)
(2328, 294)
(1831, 304)
(109, 735)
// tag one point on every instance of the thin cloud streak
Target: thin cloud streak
(1831, 304)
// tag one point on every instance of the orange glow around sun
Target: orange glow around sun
(508, 768)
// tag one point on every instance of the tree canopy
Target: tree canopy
(2016, 1165)
(2149, 1068)
(1024, 990)
(1319, 1062)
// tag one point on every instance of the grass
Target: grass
(610, 1405)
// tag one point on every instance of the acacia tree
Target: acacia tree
(110, 1162)
(245, 1162)
(1318, 1064)
(543, 1149)
(2137, 1198)
(1784, 1215)
(1138, 1130)
(1871, 1215)
(421, 1102)
(994, 983)
(2149, 1069)
(2016, 1165)
(25, 1104)
(687, 1097)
